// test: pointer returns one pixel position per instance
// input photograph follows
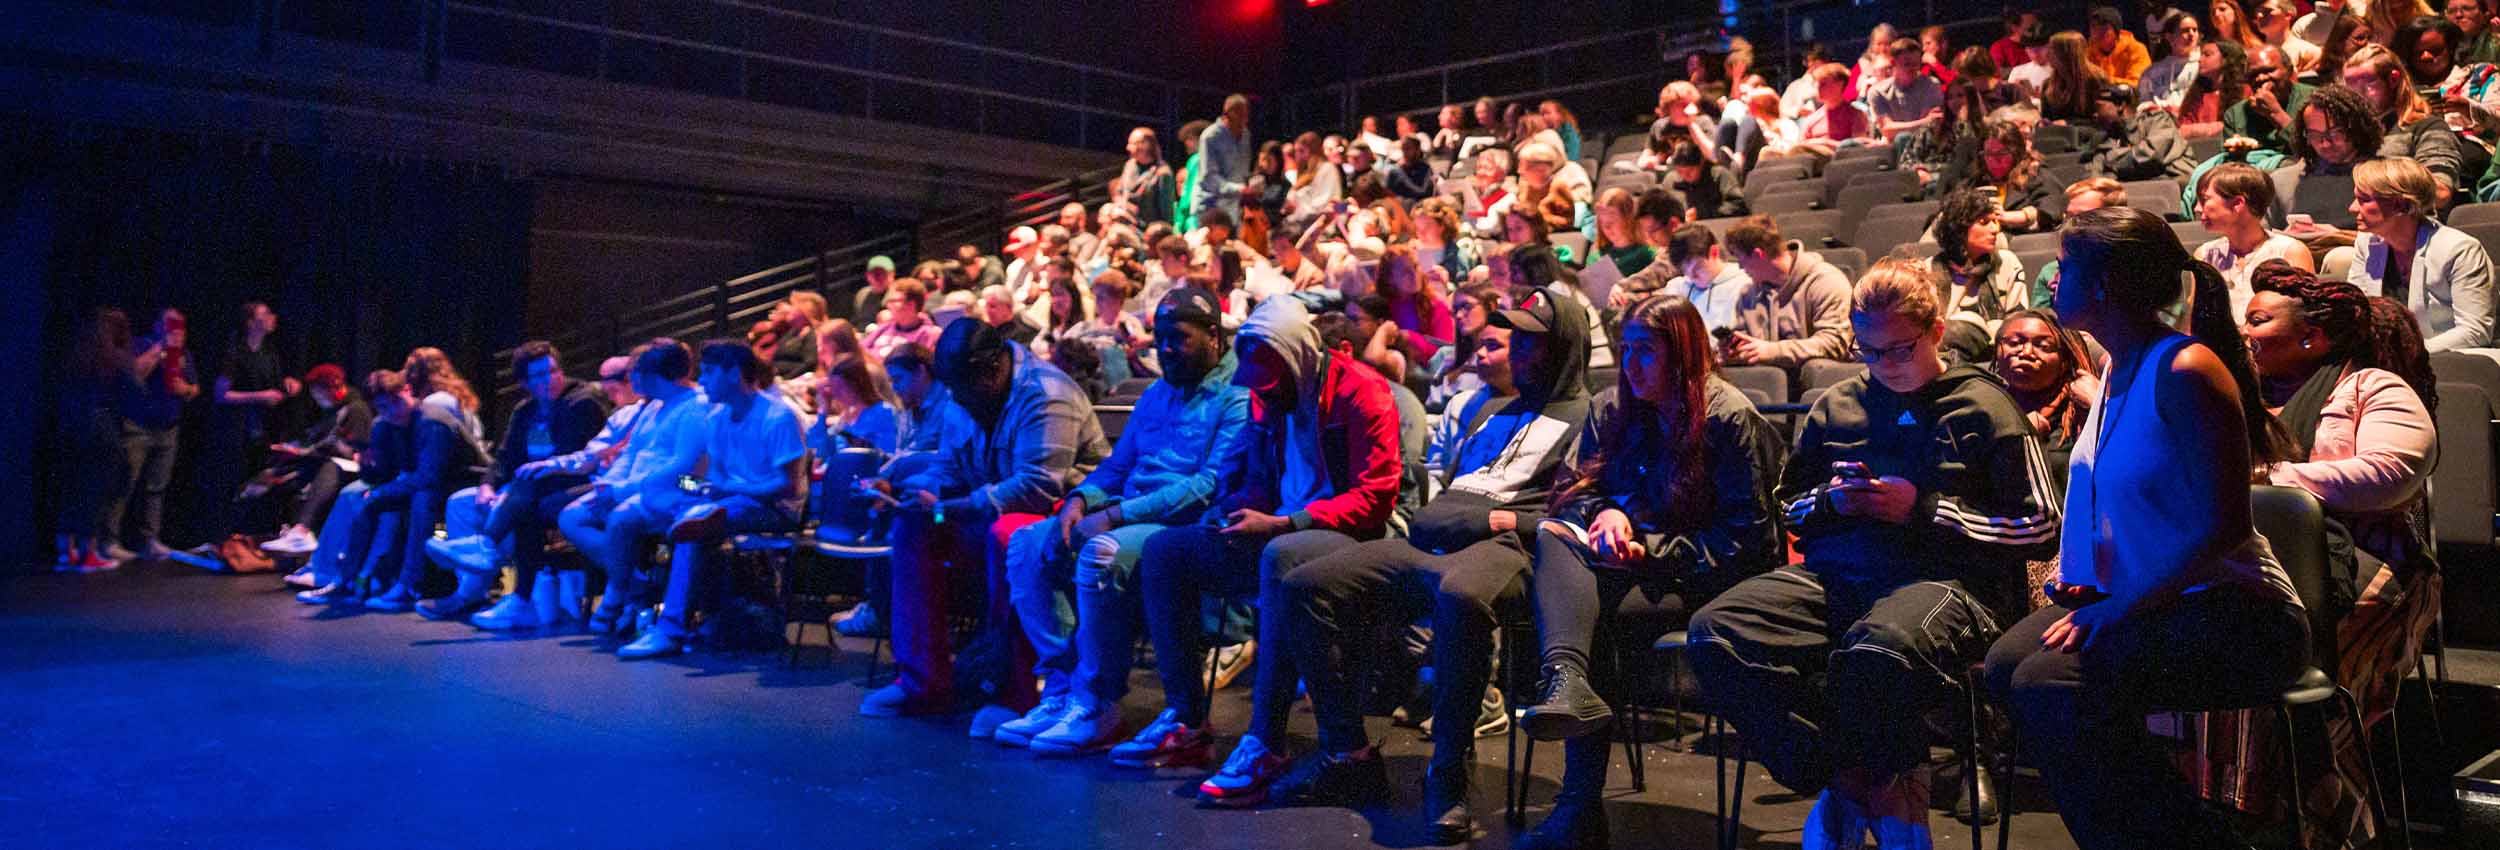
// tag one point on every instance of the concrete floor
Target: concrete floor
(162, 707)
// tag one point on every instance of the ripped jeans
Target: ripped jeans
(1080, 609)
(1821, 673)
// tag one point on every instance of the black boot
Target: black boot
(1574, 824)
(1987, 797)
(1568, 707)
(1445, 804)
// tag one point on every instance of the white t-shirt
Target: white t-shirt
(673, 433)
(2029, 75)
(2237, 268)
(748, 454)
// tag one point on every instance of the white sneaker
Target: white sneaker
(510, 612)
(303, 578)
(1086, 728)
(985, 722)
(296, 540)
(1020, 731)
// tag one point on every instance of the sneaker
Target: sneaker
(1232, 661)
(508, 613)
(95, 563)
(303, 578)
(398, 598)
(859, 622)
(295, 540)
(986, 721)
(334, 593)
(1245, 777)
(472, 554)
(1492, 715)
(1334, 780)
(453, 607)
(117, 552)
(708, 522)
(1567, 706)
(1020, 731)
(1166, 742)
(652, 644)
(893, 701)
(1084, 728)
(1574, 824)
(1836, 823)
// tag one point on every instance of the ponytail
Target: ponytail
(2211, 324)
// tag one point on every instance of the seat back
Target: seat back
(1853, 202)
(1114, 418)
(1764, 384)
(2484, 213)
(1849, 260)
(1880, 237)
(2464, 494)
(2191, 233)
(2027, 243)
(1837, 175)
(1815, 228)
(2158, 196)
(844, 513)
(1720, 226)
(1825, 374)
(2295, 528)
(1783, 200)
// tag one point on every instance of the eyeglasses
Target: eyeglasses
(2316, 136)
(1894, 354)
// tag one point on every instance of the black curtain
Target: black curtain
(362, 255)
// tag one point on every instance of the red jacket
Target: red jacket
(1358, 428)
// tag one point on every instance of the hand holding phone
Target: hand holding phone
(1851, 472)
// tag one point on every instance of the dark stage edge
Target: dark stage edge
(160, 706)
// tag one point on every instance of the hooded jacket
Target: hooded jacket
(1803, 318)
(1045, 440)
(1986, 503)
(571, 421)
(1502, 453)
(1332, 462)
(1740, 537)
(1164, 468)
(444, 455)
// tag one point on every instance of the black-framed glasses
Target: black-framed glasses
(1888, 354)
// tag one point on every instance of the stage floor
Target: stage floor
(159, 707)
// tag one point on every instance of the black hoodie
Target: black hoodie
(1533, 431)
(1740, 535)
(1986, 503)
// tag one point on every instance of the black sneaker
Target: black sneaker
(1352, 780)
(1445, 805)
(1573, 825)
(1567, 706)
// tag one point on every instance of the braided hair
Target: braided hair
(2364, 331)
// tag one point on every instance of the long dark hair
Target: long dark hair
(1685, 492)
(2363, 331)
(102, 348)
(2141, 260)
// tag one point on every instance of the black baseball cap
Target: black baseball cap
(1192, 305)
(1535, 314)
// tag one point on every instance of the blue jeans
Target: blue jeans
(695, 561)
(612, 534)
(1086, 647)
(329, 559)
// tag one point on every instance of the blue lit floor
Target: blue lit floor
(160, 707)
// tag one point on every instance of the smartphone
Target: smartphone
(1851, 471)
(690, 484)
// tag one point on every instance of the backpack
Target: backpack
(2150, 149)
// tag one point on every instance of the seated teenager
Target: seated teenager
(1419, 299)
(2031, 199)
(1798, 306)
(443, 452)
(2053, 377)
(1837, 122)
(2413, 129)
(628, 503)
(2231, 200)
(2439, 273)
(1655, 216)
(532, 501)
(2167, 599)
(1018, 435)
(1465, 549)
(1982, 280)
(316, 463)
(1316, 470)
(557, 417)
(753, 478)
(2347, 376)
(855, 409)
(385, 453)
(904, 322)
(921, 407)
(1708, 189)
(1073, 580)
(1452, 369)
(1666, 502)
(1916, 496)
(1708, 280)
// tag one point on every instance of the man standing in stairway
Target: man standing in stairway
(1224, 161)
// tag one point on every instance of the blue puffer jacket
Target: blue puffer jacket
(1165, 467)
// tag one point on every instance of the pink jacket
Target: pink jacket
(2372, 451)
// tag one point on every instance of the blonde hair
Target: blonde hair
(1898, 285)
(2112, 192)
(811, 305)
(1542, 152)
(429, 371)
(1621, 201)
(2402, 178)
(2382, 62)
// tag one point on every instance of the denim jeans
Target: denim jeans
(1085, 647)
(329, 560)
(519, 522)
(613, 534)
(696, 561)
(372, 543)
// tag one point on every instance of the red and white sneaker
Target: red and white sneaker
(1167, 742)
(1246, 775)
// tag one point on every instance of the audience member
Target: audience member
(2473, 20)
(1797, 308)
(2113, 50)
(316, 467)
(2164, 83)
(1224, 161)
(1708, 189)
(2439, 273)
(2313, 192)
(1907, 99)
(1979, 280)
(2263, 119)
(2411, 129)
(1706, 279)
(1146, 182)
(2231, 201)
(556, 417)
(2053, 378)
(533, 499)
(388, 453)
(630, 501)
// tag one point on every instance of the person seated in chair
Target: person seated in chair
(1162, 474)
(384, 454)
(629, 502)
(1466, 549)
(1666, 501)
(1317, 471)
(531, 505)
(1020, 434)
(444, 454)
(753, 478)
(557, 416)
(1917, 495)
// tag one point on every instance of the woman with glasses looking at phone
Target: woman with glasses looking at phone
(1917, 494)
